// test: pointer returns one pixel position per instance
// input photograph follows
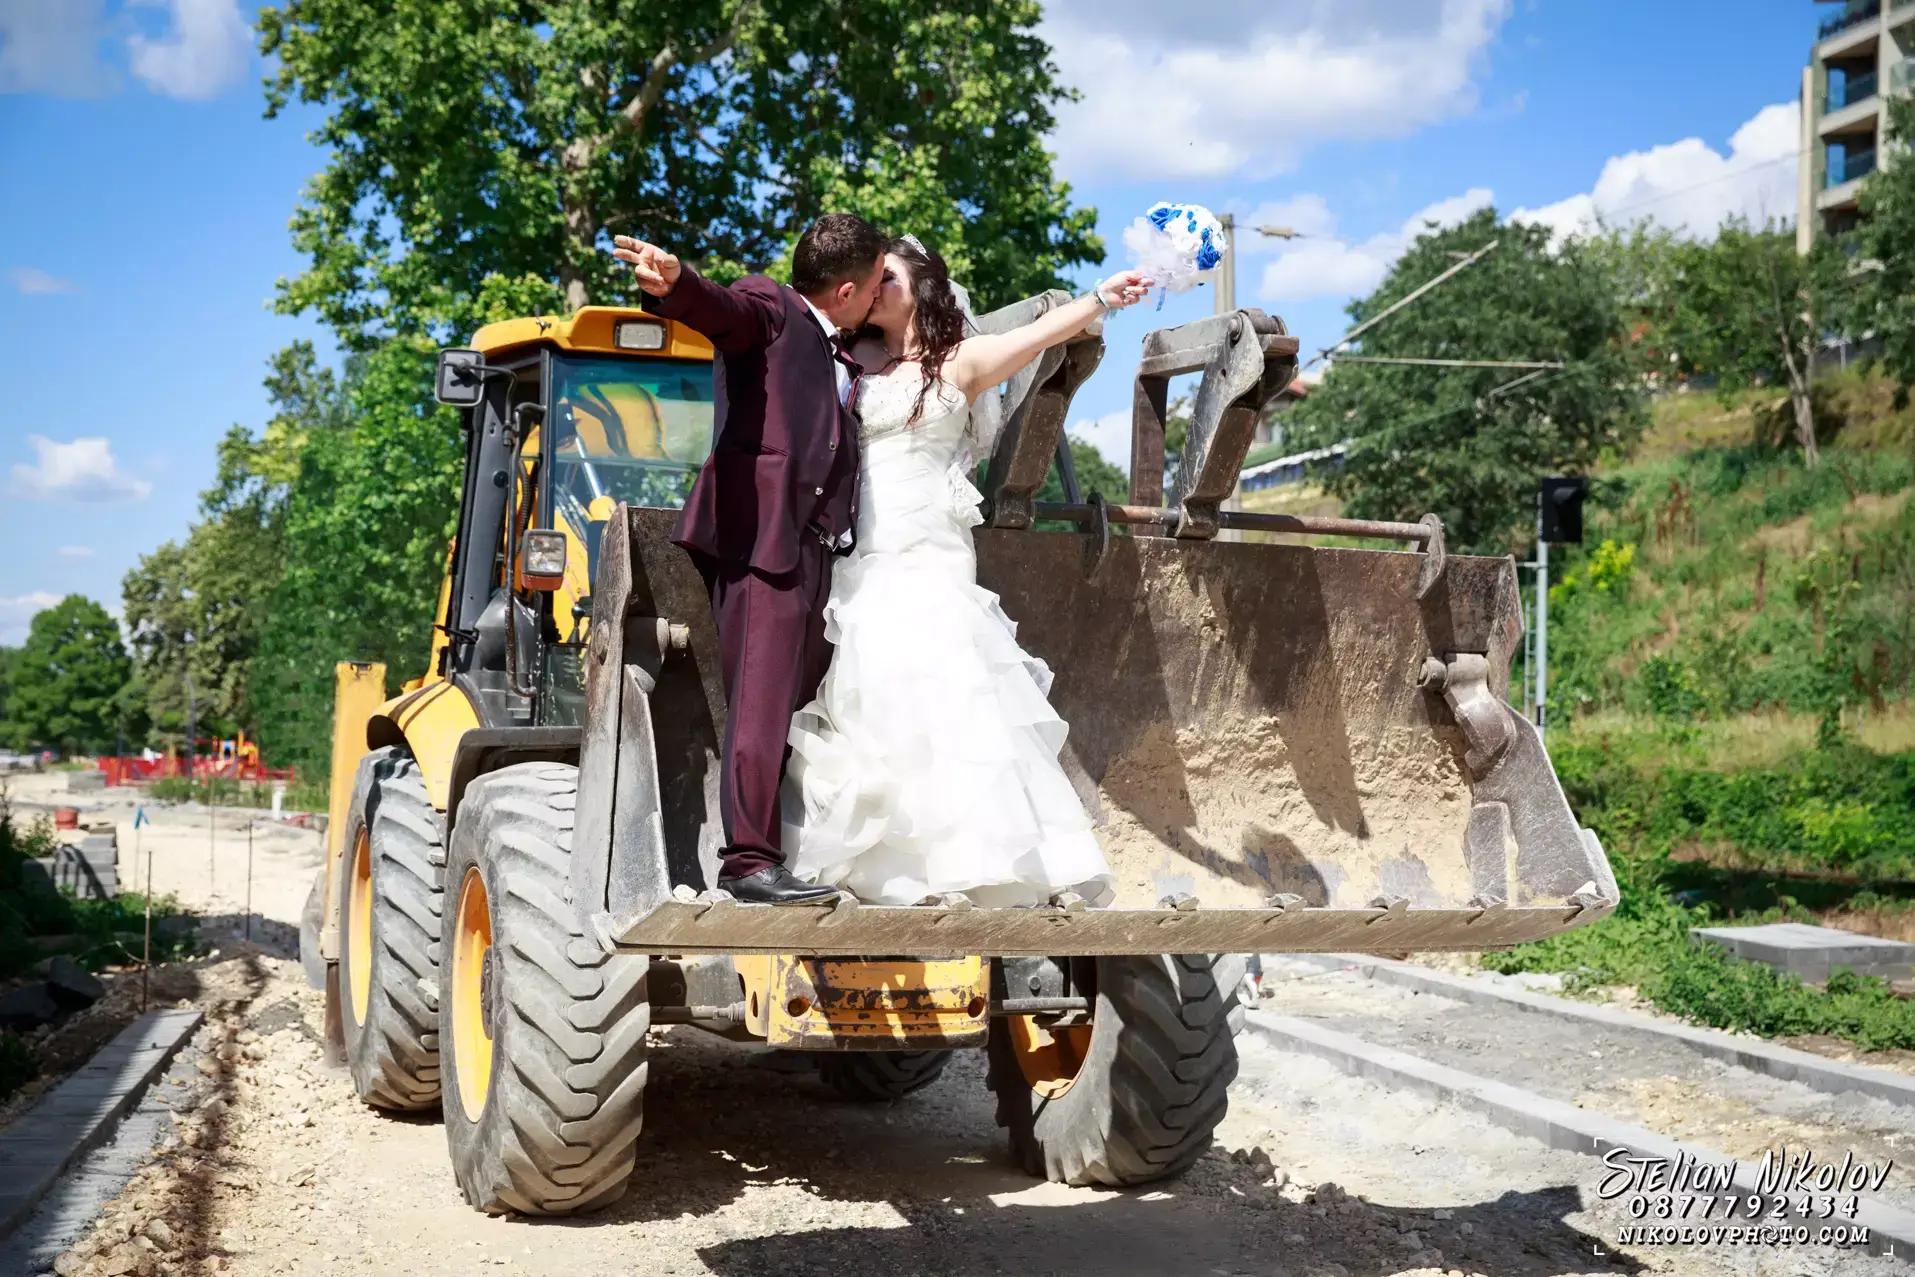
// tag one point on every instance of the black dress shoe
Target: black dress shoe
(775, 885)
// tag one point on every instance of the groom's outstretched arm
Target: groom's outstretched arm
(747, 315)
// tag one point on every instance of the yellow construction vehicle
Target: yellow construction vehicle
(1286, 747)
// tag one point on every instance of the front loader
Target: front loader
(1284, 746)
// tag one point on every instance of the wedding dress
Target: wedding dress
(928, 761)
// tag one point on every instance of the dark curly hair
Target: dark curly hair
(938, 317)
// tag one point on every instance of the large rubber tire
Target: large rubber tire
(879, 1077)
(392, 1045)
(562, 1101)
(1153, 1084)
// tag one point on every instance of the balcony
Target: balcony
(1858, 87)
(1853, 12)
(1901, 76)
(1850, 166)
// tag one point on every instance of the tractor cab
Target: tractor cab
(611, 406)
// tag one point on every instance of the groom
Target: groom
(775, 500)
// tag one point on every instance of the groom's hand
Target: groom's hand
(655, 269)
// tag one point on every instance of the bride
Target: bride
(928, 761)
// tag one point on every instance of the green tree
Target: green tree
(69, 678)
(1093, 474)
(1884, 246)
(367, 523)
(500, 139)
(194, 609)
(1470, 443)
(1747, 309)
(12, 735)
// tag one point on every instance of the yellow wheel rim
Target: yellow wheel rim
(359, 926)
(471, 1026)
(1049, 1059)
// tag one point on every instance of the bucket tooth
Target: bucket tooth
(1181, 901)
(840, 911)
(1069, 902)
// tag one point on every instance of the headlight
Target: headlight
(542, 559)
(639, 334)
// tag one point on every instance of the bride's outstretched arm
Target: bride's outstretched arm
(983, 361)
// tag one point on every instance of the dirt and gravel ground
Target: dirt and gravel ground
(1634, 1077)
(750, 1166)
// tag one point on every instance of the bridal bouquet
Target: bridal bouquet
(1175, 244)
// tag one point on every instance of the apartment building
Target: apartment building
(1864, 51)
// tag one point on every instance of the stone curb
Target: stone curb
(75, 1116)
(1783, 1062)
(1559, 1125)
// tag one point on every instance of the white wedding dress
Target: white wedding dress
(928, 761)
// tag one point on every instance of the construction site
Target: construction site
(1454, 642)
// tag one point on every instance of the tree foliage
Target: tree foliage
(1885, 252)
(12, 733)
(1470, 443)
(500, 138)
(367, 522)
(1747, 309)
(70, 678)
(195, 608)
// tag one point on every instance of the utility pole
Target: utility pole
(1227, 277)
(1559, 517)
(1542, 626)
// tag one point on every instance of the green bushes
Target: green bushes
(1842, 810)
(1839, 811)
(36, 920)
(302, 795)
(1711, 987)
(1733, 580)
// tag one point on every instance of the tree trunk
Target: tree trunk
(581, 227)
(1804, 421)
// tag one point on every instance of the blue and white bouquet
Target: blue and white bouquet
(1176, 244)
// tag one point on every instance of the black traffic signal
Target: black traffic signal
(1560, 498)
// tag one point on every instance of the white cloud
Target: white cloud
(75, 551)
(32, 281)
(1331, 267)
(1110, 435)
(205, 50)
(16, 613)
(1688, 186)
(80, 470)
(53, 46)
(1243, 87)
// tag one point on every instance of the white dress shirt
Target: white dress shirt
(831, 335)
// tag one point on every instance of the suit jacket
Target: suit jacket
(783, 468)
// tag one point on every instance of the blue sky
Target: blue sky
(144, 198)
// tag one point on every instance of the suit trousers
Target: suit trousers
(771, 639)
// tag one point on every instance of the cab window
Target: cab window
(631, 430)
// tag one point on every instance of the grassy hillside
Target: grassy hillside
(1729, 580)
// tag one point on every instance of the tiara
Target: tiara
(916, 243)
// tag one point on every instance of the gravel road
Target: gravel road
(1634, 1077)
(749, 1166)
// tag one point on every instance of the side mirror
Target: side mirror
(542, 560)
(461, 381)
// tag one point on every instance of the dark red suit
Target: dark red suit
(776, 497)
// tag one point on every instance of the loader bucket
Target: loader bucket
(1285, 747)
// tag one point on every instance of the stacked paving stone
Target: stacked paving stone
(1814, 953)
(90, 869)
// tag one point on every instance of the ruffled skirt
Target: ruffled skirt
(928, 761)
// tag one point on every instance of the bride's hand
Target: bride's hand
(1125, 288)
